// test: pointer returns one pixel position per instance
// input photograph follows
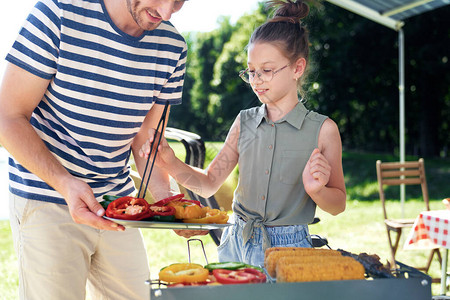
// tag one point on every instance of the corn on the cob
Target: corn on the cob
(269, 250)
(328, 268)
(272, 256)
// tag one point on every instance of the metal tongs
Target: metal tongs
(189, 249)
(162, 123)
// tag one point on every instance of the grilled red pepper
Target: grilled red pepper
(180, 205)
(260, 276)
(128, 208)
(162, 213)
(169, 199)
(233, 276)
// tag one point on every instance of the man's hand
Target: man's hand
(85, 209)
(190, 233)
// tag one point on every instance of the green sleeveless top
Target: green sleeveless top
(272, 156)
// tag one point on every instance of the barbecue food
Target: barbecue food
(319, 269)
(273, 255)
(212, 215)
(183, 273)
(187, 209)
(372, 265)
(272, 249)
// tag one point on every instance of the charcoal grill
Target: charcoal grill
(376, 289)
(408, 284)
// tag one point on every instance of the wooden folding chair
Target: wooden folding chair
(408, 173)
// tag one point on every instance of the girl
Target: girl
(289, 158)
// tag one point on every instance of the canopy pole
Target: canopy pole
(401, 88)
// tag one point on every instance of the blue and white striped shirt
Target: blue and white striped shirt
(103, 82)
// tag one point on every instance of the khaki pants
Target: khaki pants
(58, 258)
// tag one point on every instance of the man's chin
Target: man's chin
(152, 26)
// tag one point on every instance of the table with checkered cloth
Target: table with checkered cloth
(432, 228)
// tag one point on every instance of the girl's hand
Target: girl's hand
(316, 173)
(165, 155)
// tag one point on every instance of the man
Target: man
(85, 82)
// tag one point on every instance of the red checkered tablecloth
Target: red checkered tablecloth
(430, 227)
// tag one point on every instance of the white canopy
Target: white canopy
(390, 13)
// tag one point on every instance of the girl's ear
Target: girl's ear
(300, 66)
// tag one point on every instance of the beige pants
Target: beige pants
(58, 257)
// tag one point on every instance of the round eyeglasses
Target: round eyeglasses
(265, 75)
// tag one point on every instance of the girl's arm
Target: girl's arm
(323, 176)
(159, 185)
(203, 182)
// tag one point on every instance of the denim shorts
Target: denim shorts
(232, 247)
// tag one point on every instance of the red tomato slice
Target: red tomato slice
(233, 276)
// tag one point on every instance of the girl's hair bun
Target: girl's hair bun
(288, 10)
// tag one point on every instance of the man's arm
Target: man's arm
(20, 93)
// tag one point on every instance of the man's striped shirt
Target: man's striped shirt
(102, 84)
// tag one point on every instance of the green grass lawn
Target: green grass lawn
(359, 229)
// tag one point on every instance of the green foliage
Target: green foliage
(353, 79)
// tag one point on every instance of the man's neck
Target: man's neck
(119, 14)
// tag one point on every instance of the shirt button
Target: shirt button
(270, 146)
(263, 198)
(267, 172)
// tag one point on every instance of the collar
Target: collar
(295, 117)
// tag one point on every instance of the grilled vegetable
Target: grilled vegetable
(240, 276)
(325, 269)
(272, 256)
(107, 199)
(212, 215)
(162, 213)
(128, 208)
(164, 201)
(260, 276)
(225, 265)
(184, 273)
(187, 209)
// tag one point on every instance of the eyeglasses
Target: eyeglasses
(265, 75)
